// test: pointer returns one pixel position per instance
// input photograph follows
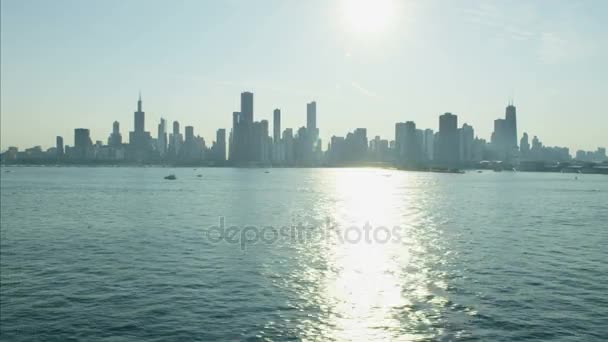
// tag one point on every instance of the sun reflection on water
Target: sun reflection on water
(366, 289)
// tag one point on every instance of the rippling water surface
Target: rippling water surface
(121, 254)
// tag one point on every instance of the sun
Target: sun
(367, 16)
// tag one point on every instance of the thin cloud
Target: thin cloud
(364, 91)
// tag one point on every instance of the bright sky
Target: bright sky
(367, 63)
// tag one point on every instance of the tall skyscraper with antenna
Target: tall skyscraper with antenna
(511, 125)
(139, 140)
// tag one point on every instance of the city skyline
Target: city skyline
(501, 136)
(422, 60)
(251, 141)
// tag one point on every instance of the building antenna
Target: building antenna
(511, 101)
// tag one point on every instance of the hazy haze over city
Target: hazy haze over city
(68, 64)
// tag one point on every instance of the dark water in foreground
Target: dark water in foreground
(120, 254)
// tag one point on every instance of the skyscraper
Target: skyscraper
(175, 128)
(175, 142)
(360, 143)
(504, 137)
(115, 139)
(59, 146)
(139, 140)
(161, 140)
(235, 134)
(140, 117)
(400, 142)
(406, 143)
(448, 141)
(244, 142)
(311, 120)
(82, 143)
(524, 146)
(288, 144)
(276, 125)
(191, 150)
(264, 138)
(220, 143)
(467, 136)
(428, 144)
(82, 138)
(511, 126)
(247, 107)
(189, 136)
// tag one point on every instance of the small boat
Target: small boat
(266, 171)
(170, 177)
(199, 175)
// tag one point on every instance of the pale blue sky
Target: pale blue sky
(79, 63)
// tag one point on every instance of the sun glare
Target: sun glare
(367, 16)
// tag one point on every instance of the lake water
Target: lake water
(120, 254)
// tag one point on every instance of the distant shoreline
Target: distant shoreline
(570, 169)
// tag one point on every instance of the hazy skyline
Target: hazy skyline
(68, 64)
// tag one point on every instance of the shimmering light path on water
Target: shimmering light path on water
(121, 254)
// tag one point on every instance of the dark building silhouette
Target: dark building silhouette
(175, 142)
(504, 137)
(249, 140)
(448, 142)
(524, 146)
(307, 140)
(379, 150)
(408, 143)
(276, 125)
(350, 150)
(311, 119)
(247, 107)
(467, 138)
(265, 142)
(219, 149)
(115, 139)
(189, 134)
(139, 118)
(244, 145)
(161, 139)
(139, 140)
(59, 146)
(82, 144)
(511, 126)
(191, 150)
(288, 146)
(411, 148)
(428, 144)
(399, 141)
